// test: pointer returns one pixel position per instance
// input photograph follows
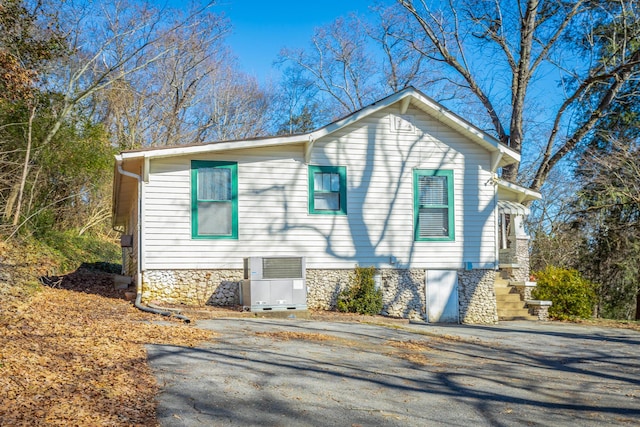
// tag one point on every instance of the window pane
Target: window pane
(214, 218)
(433, 190)
(335, 182)
(327, 201)
(326, 182)
(214, 184)
(433, 222)
(317, 181)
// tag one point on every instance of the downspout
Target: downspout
(138, 301)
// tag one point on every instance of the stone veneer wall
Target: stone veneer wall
(403, 290)
(525, 290)
(477, 298)
(403, 293)
(540, 311)
(324, 286)
(520, 248)
(192, 287)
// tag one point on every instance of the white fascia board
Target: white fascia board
(352, 118)
(426, 104)
(214, 147)
(525, 194)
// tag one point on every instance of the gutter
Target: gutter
(138, 301)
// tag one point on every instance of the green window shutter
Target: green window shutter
(214, 200)
(433, 205)
(328, 190)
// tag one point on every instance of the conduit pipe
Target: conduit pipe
(138, 301)
(138, 305)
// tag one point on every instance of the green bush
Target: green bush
(572, 295)
(361, 296)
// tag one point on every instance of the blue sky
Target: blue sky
(262, 28)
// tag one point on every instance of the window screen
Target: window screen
(433, 205)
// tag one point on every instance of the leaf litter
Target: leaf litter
(76, 358)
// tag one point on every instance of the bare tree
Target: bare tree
(98, 44)
(358, 59)
(338, 63)
(157, 105)
(193, 93)
(526, 41)
(295, 106)
(234, 107)
(402, 64)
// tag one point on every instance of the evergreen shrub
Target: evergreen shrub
(572, 295)
(361, 296)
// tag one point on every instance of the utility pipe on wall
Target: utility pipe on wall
(138, 301)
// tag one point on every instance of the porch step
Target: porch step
(506, 318)
(509, 303)
(504, 266)
(501, 282)
(512, 305)
(506, 291)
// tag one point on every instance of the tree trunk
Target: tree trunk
(25, 169)
(510, 172)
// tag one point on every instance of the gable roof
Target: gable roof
(406, 97)
(131, 164)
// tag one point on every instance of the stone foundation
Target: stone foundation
(192, 287)
(477, 298)
(324, 286)
(403, 291)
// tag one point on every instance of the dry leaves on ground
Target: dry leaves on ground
(73, 358)
(288, 335)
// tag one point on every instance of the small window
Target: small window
(214, 200)
(328, 190)
(433, 205)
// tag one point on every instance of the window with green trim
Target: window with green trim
(433, 205)
(214, 200)
(328, 190)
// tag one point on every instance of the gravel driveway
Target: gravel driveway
(292, 372)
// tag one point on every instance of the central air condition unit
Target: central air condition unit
(274, 283)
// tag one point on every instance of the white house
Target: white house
(403, 185)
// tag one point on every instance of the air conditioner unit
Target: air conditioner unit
(274, 283)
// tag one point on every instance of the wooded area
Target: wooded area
(556, 80)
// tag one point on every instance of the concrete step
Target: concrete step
(499, 281)
(508, 318)
(511, 305)
(506, 291)
(508, 298)
(513, 312)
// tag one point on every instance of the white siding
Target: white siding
(273, 203)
